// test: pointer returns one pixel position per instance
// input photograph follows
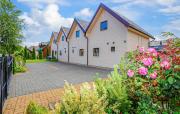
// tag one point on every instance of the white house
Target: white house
(110, 36)
(78, 42)
(62, 44)
(53, 45)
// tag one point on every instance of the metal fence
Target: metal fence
(6, 64)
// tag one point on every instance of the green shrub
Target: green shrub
(85, 102)
(115, 91)
(20, 69)
(34, 108)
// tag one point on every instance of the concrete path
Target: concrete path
(49, 75)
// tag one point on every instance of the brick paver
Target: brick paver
(49, 75)
(18, 105)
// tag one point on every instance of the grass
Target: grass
(41, 60)
(36, 61)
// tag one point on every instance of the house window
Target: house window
(72, 50)
(64, 50)
(103, 25)
(62, 38)
(81, 52)
(55, 52)
(77, 33)
(113, 49)
(60, 53)
(95, 51)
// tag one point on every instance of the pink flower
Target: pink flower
(141, 49)
(143, 71)
(155, 54)
(130, 73)
(165, 64)
(151, 50)
(153, 75)
(147, 61)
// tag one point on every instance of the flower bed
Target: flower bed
(145, 82)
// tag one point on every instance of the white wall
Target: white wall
(78, 43)
(62, 45)
(135, 40)
(54, 47)
(116, 32)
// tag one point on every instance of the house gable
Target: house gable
(73, 28)
(129, 24)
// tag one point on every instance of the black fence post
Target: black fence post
(5, 76)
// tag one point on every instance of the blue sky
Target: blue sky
(44, 16)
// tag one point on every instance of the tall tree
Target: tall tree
(47, 52)
(40, 53)
(25, 53)
(10, 27)
(34, 54)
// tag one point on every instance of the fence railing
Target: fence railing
(6, 64)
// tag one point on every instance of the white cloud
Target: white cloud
(41, 23)
(127, 12)
(43, 3)
(84, 13)
(173, 26)
(171, 10)
(146, 2)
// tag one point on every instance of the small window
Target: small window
(60, 53)
(103, 25)
(72, 50)
(95, 51)
(64, 50)
(62, 38)
(77, 33)
(113, 49)
(81, 52)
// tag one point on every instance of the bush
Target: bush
(115, 92)
(154, 79)
(34, 108)
(85, 102)
(20, 69)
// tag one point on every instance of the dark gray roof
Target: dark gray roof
(120, 18)
(83, 23)
(134, 25)
(66, 30)
(55, 36)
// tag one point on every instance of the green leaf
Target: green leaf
(170, 80)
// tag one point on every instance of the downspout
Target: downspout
(68, 51)
(87, 51)
(57, 51)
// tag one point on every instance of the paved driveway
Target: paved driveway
(49, 75)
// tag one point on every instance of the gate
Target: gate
(5, 75)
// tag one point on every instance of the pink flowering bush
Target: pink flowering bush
(155, 76)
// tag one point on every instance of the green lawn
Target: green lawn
(40, 61)
(36, 61)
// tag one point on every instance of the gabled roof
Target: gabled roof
(120, 18)
(81, 23)
(53, 38)
(65, 31)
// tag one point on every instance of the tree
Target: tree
(40, 54)
(47, 52)
(10, 27)
(34, 54)
(25, 53)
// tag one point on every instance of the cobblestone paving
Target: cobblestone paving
(49, 75)
(18, 105)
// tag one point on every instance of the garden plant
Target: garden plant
(145, 82)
